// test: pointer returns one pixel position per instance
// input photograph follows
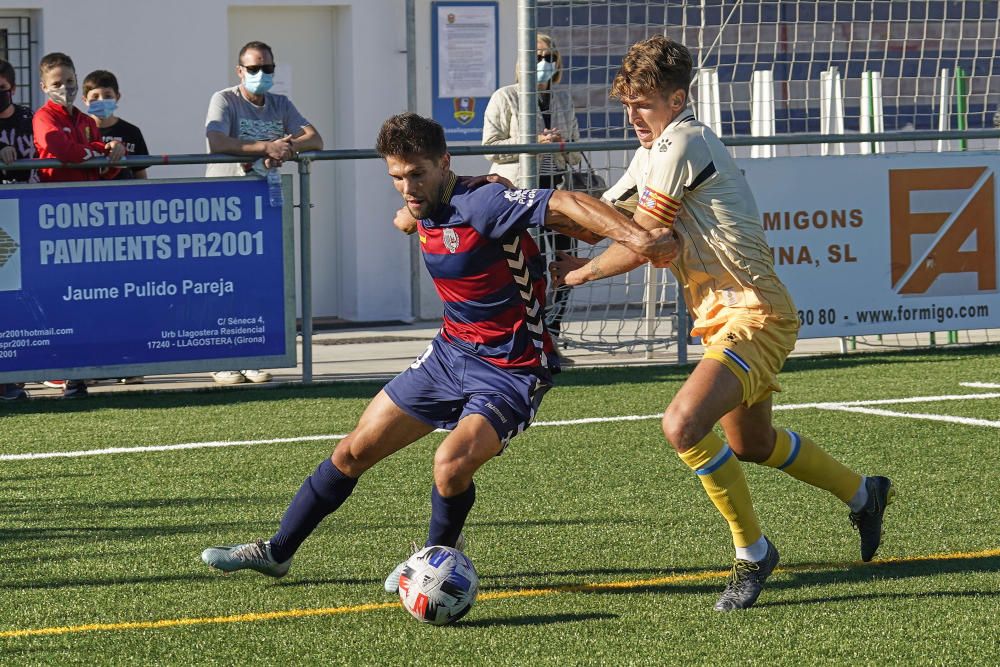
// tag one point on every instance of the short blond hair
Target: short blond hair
(550, 44)
(654, 65)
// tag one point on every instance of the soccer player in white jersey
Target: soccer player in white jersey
(683, 178)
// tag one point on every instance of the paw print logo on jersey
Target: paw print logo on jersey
(524, 197)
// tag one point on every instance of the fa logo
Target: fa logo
(451, 240)
(943, 230)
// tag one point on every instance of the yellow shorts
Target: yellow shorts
(753, 345)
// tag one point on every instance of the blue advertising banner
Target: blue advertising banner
(144, 276)
(465, 66)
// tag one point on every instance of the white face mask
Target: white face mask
(63, 95)
(545, 71)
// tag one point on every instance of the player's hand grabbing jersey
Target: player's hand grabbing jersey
(688, 181)
(489, 273)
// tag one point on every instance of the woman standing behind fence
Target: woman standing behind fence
(557, 119)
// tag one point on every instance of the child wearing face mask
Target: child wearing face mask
(64, 132)
(16, 142)
(101, 95)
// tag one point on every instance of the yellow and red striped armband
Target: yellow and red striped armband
(659, 205)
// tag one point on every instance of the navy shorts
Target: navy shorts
(446, 384)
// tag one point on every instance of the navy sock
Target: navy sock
(321, 494)
(448, 516)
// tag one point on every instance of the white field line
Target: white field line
(969, 421)
(846, 406)
(980, 385)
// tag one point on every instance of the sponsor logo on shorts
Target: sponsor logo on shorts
(495, 410)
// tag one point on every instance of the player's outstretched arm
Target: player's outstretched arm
(558, 222)
(643, 234)
(573, 271)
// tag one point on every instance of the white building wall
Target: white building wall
(170, 57)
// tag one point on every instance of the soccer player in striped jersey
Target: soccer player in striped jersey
(484, 375)
(682, 178)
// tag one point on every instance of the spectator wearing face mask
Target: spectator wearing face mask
(556, 124)
(63, 132)
(16, 136)
(16, 143)
(101, 95)
(264, 127)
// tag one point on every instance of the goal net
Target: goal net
(831, 66)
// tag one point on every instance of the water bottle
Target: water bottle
(274, 194)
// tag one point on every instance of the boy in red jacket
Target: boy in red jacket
(64, 132)
(67, 134)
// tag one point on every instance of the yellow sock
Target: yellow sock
(803, 459)
(722, 476)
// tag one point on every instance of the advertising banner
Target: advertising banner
(144, 277)
(883, 244)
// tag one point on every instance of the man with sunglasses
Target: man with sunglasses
(265, 127)
(248, 120)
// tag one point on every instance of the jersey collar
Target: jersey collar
(449, 188)
(685, 116)
(441, 214)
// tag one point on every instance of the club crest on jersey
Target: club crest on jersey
(450, 240)
(520, 196)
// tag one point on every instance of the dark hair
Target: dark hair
(100, 78)
(255, 46)
(55, 59)
(7, 72)
(410, 134)
(657, 64)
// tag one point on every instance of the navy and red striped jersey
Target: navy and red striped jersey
(489, 273)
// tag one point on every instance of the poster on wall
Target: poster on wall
(465, 65)
(896, 243)
(144, 277)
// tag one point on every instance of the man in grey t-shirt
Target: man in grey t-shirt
(248, 120)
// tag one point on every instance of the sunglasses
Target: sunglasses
(253, 69)
(547, 57)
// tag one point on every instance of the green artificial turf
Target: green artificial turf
(567, 511)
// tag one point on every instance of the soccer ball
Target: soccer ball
(438, 585)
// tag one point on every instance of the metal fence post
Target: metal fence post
(305, 266)
(682, 327)
(411, 105)
(650, 297)
(527, 92)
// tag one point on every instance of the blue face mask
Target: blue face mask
(102, 108)
(259, 83)
(546, 71)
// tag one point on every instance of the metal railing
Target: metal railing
(306, 159)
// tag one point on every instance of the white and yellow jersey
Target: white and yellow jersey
(689, 181)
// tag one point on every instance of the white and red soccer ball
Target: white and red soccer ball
(438, 585)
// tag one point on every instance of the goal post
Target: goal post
(763, 67)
